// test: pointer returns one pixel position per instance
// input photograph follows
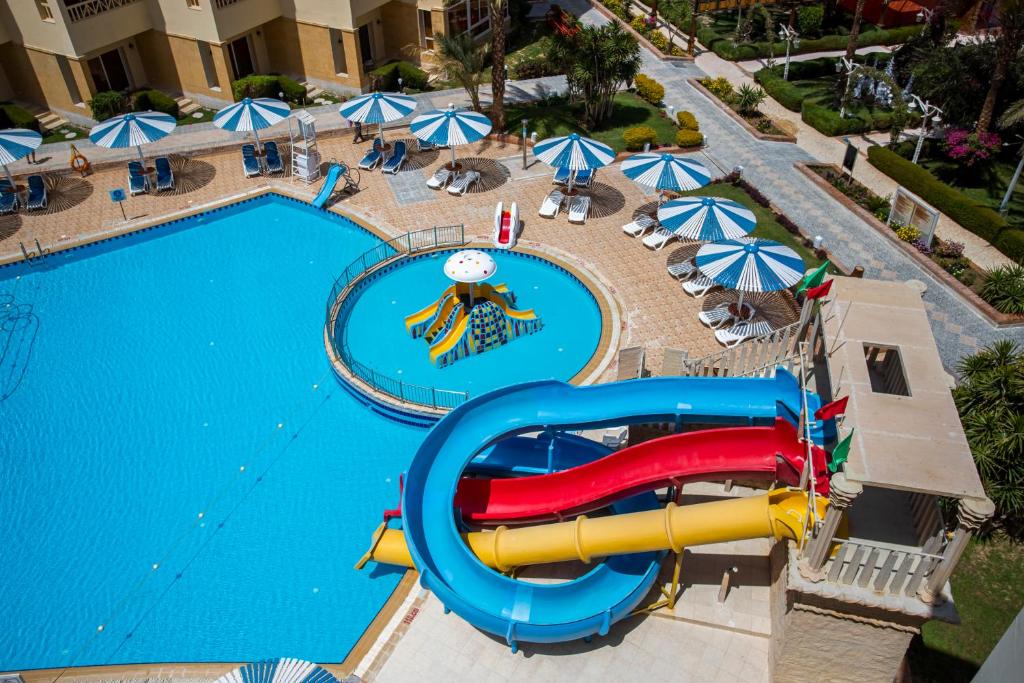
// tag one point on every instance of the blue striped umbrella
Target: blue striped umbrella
(378, 107)
(17, 143)
(450, 127)
(132, 130)
(574, 152)
(666, 172)
(750, 265)
(285, 670)
(707, 219)
(252, 115)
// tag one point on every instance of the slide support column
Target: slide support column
(841, 495)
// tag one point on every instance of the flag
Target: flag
(830, 410)
(814, 278)
(840, 453)
(819, 291)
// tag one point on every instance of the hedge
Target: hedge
(689, 138)
(783, 92)
(388, 75)
(106, 104)
(982, 221)
(154, 100)
(13, 116)
(687, 120)
(723, 46)
(649, 89)
(638, 136)
(826, 120)
(267, 85)
(1011, 243)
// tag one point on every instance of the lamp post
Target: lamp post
(792, 39)
(1013, 182)
(928, 110)
(525, 122)
(849, 66)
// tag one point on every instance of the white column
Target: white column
(841, 495)
(971, 513)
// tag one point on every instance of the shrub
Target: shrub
(808, 19)
(719, 87)
(1011, 243)
(638, 136)
(950, 249)
(827, 122)
(106, 104)
(13, 116)
(955, 266)
(659, 40)
(784, 92)
(154, 100)
(1004, 289)
(412, 77)
(982, 221)
(749, 98)
(649, 89)
(687, 120)
(970, 148)
(689, 138)
(907, 233)
(615, 7)
(267, 85)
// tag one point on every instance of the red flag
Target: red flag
(830, 410)
(819, 291)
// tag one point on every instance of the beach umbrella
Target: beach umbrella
(749, 264)
(132, 130)
(252, 115)
(666, 172)
(450, 127)
(707, 219)
(574, 152)
(285, 670)
(378, 107)
(17, 143)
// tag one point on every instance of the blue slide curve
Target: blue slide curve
(333, 173)
(542, 613)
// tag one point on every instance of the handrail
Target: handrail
(371, 259)
(90, 8)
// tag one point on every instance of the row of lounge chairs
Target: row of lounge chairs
(579, 206)
(390, 160)
(10, 200)
(457, 182)
(583, 178)
(644, 223)
(253, 165)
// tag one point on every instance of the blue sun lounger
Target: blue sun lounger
(584, 177)
(561, 176)
(372, 158)
(274, 163)
(164, 174)
(394, 162)
(36, 193)
(138, 179)
(8, 197)
(250, 162)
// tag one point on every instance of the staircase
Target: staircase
(312, 91)
(186, 107)
(48, 121)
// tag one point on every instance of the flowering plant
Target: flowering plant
(970, 148)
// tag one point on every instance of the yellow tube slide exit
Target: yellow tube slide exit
(779, 514)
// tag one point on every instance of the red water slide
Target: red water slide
(765, 453)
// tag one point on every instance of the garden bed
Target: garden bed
(757, 124)
(649, 37)
(868, 206)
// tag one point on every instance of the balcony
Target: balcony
(221, 4)
(83, 9)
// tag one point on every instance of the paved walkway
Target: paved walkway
(959, 329)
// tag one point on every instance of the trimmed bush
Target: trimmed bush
(13, 116)
(982, 221)
(638, 136)
(411, 75)
(1011, 243)
(267, 85)
(689, 138)
(687, 120)
(808, 19)
(649, 89)
(154, 100)
(723, 46)
(783, 92)
(106, 104)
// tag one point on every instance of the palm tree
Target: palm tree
(598, 61)
(1010, 40)
(459, 59)
(497, 12)
(851, 43)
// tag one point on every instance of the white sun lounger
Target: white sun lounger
(683, 270)
(441, 177)
(462, 182)
(552, 204)
(699, 286)
(739, 333)
(717, 316)
(579, 209)
(640, 225)
(659, 238)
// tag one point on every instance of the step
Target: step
(51, 121)
(312, 90)
(186, 106)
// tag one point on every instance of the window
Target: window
(192, 4)
(242, 62)
(885, 370)
(426, 29)
(45, 13)
(468, 15)
(365, 44)
(109, 72)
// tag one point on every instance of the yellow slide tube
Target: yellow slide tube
(779, 514)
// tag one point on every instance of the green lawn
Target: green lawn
(190, 119)
(557, 117)
(61, 134)
(985, 185)
(988, 588)
(767, 226)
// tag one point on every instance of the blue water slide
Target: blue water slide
(333, 173)
(526, 455)
(528, 612)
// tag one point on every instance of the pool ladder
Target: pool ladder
(39, 249)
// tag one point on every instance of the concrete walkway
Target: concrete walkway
(959, 329)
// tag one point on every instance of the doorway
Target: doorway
(109, 72)
(242, 62)
(365, 44)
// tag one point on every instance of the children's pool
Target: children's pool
(183, 477)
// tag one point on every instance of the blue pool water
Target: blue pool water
(141, 375)
(374, 327)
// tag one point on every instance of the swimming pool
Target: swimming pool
(372, 324)
(171, 374)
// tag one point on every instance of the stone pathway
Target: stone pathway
(958, 328)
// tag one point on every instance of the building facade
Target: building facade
(59, 53)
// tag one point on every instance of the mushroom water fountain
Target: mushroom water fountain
(470, 316)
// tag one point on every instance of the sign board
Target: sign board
(117, 195)
(909, 209)
(849, 156)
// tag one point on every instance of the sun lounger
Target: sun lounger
(274, 162)
(717, 316)
(441, 177)
(640, 225)
(424, 146)
(393, 164)
(659, 238)
(631, 363)
(561, 176)
(462, 182)
(739, 333)
(36, 193)
(579, 209)
(673, 362)
(552, 204)
(251, 165)
(8, 197)
(683, 270)
(699, 286)
(584, 178)
(372, 157)
(138, 179)
(164, 174)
